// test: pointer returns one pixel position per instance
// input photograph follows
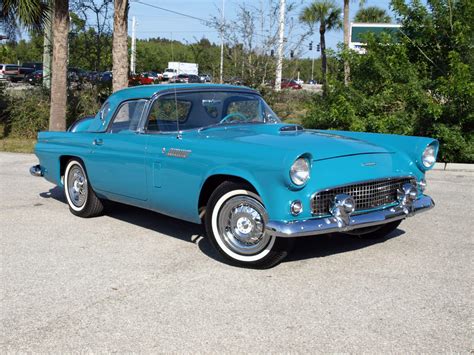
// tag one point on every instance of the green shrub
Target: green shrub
(27, 114)
(391, 93)
(289, 105)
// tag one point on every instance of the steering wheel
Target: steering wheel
(234, 114)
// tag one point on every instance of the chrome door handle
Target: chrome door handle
(97, 142)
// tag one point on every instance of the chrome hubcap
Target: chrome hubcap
(241, 224)
(77, 186)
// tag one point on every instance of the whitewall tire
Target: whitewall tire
(80, 197)
(235, 222)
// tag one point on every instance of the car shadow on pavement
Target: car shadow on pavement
(305, 248)
(329, 244)
(173, 227)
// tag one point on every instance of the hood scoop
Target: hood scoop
(291, 129)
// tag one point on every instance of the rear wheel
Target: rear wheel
(81, 199)
(235, 223)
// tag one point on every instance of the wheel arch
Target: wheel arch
(63, 160)
(213, 181)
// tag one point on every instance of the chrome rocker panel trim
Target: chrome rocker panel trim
(332, 225)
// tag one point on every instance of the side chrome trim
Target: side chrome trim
(332, 224)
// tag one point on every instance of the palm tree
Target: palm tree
(347, 70)
(372, 14)
(328, 15)
(120, 46)
(31, 14)
(57, 116)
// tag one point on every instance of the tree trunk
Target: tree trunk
(324, 66)
(120, 46)
(347, 69)
(57, 118)
(48, 48)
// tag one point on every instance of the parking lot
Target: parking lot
(134, 280)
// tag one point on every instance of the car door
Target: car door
(173, 179)
(118, 155)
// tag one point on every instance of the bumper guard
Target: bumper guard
(333, 224)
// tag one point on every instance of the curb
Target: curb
(453, 167)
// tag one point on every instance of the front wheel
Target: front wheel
(235, 223)
(81, 199)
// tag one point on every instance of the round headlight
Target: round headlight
(299, 172)
(429, 156)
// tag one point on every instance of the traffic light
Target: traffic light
(272, 53)
(291, 54)
(311, 45)
(318, 47)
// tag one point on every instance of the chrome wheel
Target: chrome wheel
(77, 186)
(241, 225)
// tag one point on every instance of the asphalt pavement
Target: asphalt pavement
(136, 281)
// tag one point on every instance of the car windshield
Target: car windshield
(198, 110)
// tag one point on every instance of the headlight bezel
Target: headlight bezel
(304, 175)
(428, 156)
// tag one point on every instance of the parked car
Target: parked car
(34, 78)
(76, 74)
(186, 78)
(290, 84)
(10, 72)
(218, 155)
(106, 77)
(148, 78)
(205, 78)
(28, 68)
(92, 76)
(299, 81)
(312, 82)
(234, 81)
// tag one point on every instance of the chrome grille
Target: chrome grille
(367, 195)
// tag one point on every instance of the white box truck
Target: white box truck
(176, 68)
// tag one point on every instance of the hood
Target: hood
(321, 145)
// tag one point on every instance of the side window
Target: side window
(165, 112)
(104, 110)
(128, 116)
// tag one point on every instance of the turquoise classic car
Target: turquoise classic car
(218, 155)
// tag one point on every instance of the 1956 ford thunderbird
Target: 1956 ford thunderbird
(218, 155)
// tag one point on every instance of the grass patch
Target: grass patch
(15, 145)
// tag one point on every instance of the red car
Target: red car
(290, 84)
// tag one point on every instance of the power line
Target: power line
(172, 11)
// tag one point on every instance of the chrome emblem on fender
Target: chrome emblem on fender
(178, 153)
(369, 163)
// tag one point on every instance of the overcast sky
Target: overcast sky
(153, 22)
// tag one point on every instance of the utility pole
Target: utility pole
(47, 48)
(281, 33)
(312, 62)
(133, 59)
(221, 76)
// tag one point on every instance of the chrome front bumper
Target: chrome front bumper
(332, 224)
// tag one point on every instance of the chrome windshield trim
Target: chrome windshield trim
(177, 90)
